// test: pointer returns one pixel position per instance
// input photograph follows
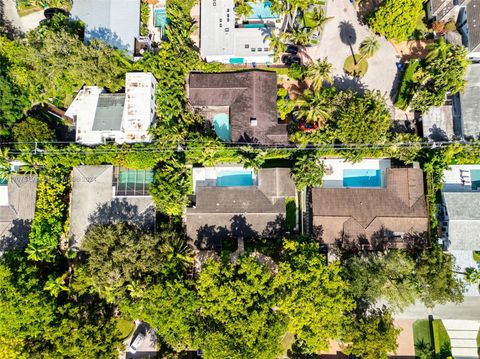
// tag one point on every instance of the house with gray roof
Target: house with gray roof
(459, 117)
(107, 194)
(232, 202)
(226, 39)
(469, 103)
(245, 101)
(121, 117)
(17, 208)
(460, 226)
(116, 22)
(392, 216)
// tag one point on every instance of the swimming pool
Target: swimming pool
(362, 178)
(221, 124)
(254, 26)
(234, 179)
(262, 10)
(475, 178)
(161, 19)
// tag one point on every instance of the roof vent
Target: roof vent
(253, 121)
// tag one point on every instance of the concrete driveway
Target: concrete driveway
(148, 348)
(344, 33)
(468, 310)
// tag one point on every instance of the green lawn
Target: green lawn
(442, 341)
(421, 335)
(125, 327)
(422, 339)
(291, 213)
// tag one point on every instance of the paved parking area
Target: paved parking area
(148, 348)
(342, 35)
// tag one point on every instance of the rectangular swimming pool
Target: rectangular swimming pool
(362, 178)
(262, 10)
(234, 179)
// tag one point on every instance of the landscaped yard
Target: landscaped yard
(422, 338)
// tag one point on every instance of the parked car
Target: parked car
(291, 59)
(136, 343)
(50, 12)
(292, 49)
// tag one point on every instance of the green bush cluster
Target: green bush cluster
(407, 86)
(50, 214)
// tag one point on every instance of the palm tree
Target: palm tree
(243, 9)
(318, 72)
(56, 285)
(178, 253)
(438, 49)
(5, 169)
(318, 16)
(299, 37)
(369, 47)
(277, 44)
(313, 108)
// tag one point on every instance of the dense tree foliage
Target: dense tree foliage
(32, 130)
(397, 19)
(371, 335)
(442, 74)
(308, 170)
(34, 323)
(122, 258)
(312, 295)
(399, 278)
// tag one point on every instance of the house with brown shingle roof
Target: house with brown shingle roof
(248, 99)
(372, 218)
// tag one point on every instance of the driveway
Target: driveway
(468, 310)
(463, 337)
(148, 348)
(342, 35)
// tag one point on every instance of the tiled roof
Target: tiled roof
(16, 218)
(362, 212)
(249, 95)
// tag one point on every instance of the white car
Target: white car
(136, 343)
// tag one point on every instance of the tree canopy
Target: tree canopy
(397, 19)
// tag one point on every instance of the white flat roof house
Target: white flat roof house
(119, 117)
(226, 40)
(116, 22)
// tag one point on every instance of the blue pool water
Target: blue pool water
(161, 19)
(234, 179)
(475, 178)
(254, 26)
(362, 178)
(262, 10)
(221, 124)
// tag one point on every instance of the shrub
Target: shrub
(32, 130)
(407, 86)
(355, 65)
(397, 19)
(296, 72)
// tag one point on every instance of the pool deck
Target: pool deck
(334, 169)
(456, 178)
(207, 176)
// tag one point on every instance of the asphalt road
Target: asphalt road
(468, 310)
